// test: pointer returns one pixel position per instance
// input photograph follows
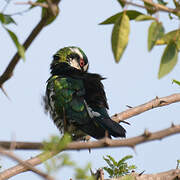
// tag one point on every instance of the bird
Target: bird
(76, 99)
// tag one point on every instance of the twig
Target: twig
(44, 5)
(11, 66)
(103, 143)
(157, 7)
(25, 164)
(157, 102)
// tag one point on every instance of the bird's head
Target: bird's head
(72, 57)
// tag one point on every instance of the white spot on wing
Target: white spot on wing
(91, 113)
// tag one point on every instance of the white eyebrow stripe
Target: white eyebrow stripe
(76, 50)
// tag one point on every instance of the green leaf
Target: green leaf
(122, 3)
(19, 47)
(144, 17)
(6, 19)
(112, 160)
(132, 14)
(120, 36)
(109, 171)
(162, 2)
(168, 60)
(108, 162)
(170, 36)
(124, 159)
(177, 82)
(156, 31)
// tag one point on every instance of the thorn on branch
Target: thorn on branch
(141, 173)
(146, 133)
(162, 102)
(129, 106)
(172, 125)
(3, 90)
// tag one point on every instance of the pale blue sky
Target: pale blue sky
(131, 82)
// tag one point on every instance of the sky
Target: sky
(131, 82)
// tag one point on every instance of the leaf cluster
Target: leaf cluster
(156, 33)
(118, 168)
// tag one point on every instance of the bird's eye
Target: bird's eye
(81, 62)
(56, 57)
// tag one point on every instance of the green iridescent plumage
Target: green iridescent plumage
(76, 99)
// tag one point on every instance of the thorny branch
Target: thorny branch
(173, 174)
(103, 143)
(157, 102)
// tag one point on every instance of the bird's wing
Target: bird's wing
(97, 103)
(65, 97)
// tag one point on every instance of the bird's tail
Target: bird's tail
(113, 128)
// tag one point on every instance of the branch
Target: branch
(25, 164)
(44, 5)
(11, 66)
(157, 102)
(167, 175)
(155, 6)
(103, 143)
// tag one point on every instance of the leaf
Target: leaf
(109, 171)
(120, 36)
(144, 17)
(156, 31)
(124, 159)
(162, 2)
(6, 19)
(121, 3)
(19, 47)
(132, 14)
(112, 160)
(170, 36)
(177, 82)
(132, 167)
(168, 60)
(108, 162)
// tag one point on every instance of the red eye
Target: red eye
(81, 63)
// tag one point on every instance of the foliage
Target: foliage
(57, 162)
(118, 168)
(156, 36)
(81, 173)
(5, 21)
(56, 144)
(177, 82)
(178, 163)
